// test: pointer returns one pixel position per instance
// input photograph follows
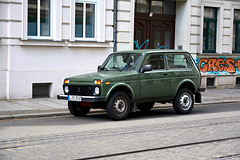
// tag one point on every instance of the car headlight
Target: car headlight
(97, 82)
(66, 89)
(97, 90)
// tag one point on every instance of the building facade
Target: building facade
(44, 41)
(208, 29)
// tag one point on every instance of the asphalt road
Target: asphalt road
(209, 132)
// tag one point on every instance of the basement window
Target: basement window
(210, 82)
(238, 81)
(41, 90)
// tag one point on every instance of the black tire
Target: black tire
(145, 107)
(77, 110)
(118, 106)
(184, 101)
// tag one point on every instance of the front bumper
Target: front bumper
(83, 98)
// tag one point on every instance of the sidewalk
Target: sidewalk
(46, 107)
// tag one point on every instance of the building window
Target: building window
(39, 18)
(149, 6)
(211, 83)
(85, 19)
(236, 32)
(209, 30)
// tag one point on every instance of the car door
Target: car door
(155, 84)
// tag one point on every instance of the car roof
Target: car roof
(146, 51)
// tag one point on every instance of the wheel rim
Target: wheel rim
(185, 101)
(119, 106)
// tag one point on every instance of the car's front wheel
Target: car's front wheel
(184, 101)
(77, 110)
(118, 106)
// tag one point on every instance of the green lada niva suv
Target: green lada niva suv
(136, 79)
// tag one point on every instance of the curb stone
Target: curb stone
(36, 115)
(41, 115)
(45, 113)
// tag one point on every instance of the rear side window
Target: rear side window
(177, 61)
(156, 60)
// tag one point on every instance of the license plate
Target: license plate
(75, 98)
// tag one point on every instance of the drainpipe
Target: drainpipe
(115, 26)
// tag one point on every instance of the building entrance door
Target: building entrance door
(153, 29)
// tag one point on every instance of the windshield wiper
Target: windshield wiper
(103, 68)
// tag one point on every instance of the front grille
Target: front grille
(81, 90)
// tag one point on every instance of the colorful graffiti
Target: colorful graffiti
(157, 44)
(145, 44)
(219, 65)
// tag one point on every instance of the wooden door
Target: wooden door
(153, 30)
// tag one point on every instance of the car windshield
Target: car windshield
(122, 62)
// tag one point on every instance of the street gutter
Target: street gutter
(10, 115)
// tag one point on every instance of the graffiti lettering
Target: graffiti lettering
(146, 44)
(139, 47)
(157, 45)
(220, 64)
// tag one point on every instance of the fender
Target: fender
(185, 81)
(120, 85)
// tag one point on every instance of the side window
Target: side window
(177, 61)
(156, 60)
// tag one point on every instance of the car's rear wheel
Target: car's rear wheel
(184, 101)
(77, 110)
(118, 106)
(145, 107)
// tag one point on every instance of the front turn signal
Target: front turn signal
(107, 82)
(66, 81)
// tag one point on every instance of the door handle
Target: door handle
(165, 74)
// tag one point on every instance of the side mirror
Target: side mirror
(99, 68)
(146, 68)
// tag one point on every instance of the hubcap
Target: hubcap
(119, 106)
(185, 101)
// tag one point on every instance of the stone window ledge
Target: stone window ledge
(79, 44)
